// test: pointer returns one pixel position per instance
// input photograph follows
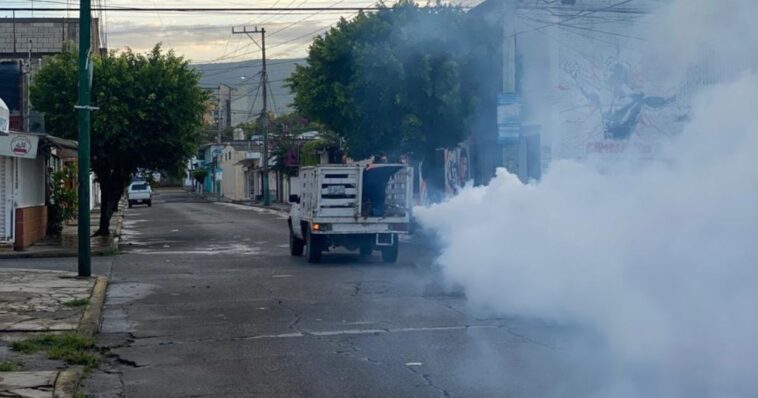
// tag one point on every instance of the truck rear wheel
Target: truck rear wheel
(389, 253)
(313, 248)
(296, 245)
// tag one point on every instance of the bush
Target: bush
(63, 198)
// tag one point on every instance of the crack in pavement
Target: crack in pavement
(297, 314)
(357, 288)
(529, 339)
(128, 362)
(351, 350)
(428, 381)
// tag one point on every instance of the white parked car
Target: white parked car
(140, 192)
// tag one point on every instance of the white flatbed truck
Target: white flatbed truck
(358, 207)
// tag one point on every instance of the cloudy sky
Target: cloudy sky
(207, 37)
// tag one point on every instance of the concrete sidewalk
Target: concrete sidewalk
(67, 245)
(41, 302)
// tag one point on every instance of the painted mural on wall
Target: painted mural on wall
(611, 98)
(613, 107)
(456, 175)
(456, 170)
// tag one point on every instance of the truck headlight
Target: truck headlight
(316, 227)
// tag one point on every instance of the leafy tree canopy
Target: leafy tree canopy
(149, 117)
(400, 80)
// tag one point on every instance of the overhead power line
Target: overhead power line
(306, 17)
(200, 9)
(580, 14)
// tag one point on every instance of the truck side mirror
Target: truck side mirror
(294, 199)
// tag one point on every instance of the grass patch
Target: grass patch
(69, 347)
(78, 303)
(111, 250)
(8, 366)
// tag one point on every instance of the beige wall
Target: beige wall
(233, 182)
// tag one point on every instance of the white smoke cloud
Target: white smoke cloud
(691, 32)
(661, 259)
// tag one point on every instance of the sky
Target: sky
(207, 37)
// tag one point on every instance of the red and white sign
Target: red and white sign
(19, 145)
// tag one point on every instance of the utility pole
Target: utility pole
(264, 111)
(83, 116)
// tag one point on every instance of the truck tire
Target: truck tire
(389, 253)
(149, 203)
(130, 204)
(296, 245)
(313, 248)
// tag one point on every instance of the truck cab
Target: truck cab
(358, 207)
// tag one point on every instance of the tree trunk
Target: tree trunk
(111, 190)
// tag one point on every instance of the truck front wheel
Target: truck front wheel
(313, 248)
(296, 245)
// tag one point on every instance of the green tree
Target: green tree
(401, 80)
(199, 175)
(149, 117)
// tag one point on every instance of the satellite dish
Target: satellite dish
(5, 116)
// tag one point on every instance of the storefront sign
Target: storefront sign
(19, 145)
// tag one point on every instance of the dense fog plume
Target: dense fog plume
(660, 259)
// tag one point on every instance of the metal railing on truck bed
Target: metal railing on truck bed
(353, 191)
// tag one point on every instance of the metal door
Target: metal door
(6, 218)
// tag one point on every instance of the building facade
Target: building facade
(27, 155)
(573, 80)
(24, 42)
(27, 161)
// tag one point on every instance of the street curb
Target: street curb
(67, 382)
(122, 207)
(282, 212)
(90, 322)
(47, 254)
(272, 208)
(100, 251)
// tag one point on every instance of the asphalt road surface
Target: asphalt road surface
(205, 301)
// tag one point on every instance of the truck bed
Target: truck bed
(339, 193)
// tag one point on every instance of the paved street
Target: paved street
(205, 300)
